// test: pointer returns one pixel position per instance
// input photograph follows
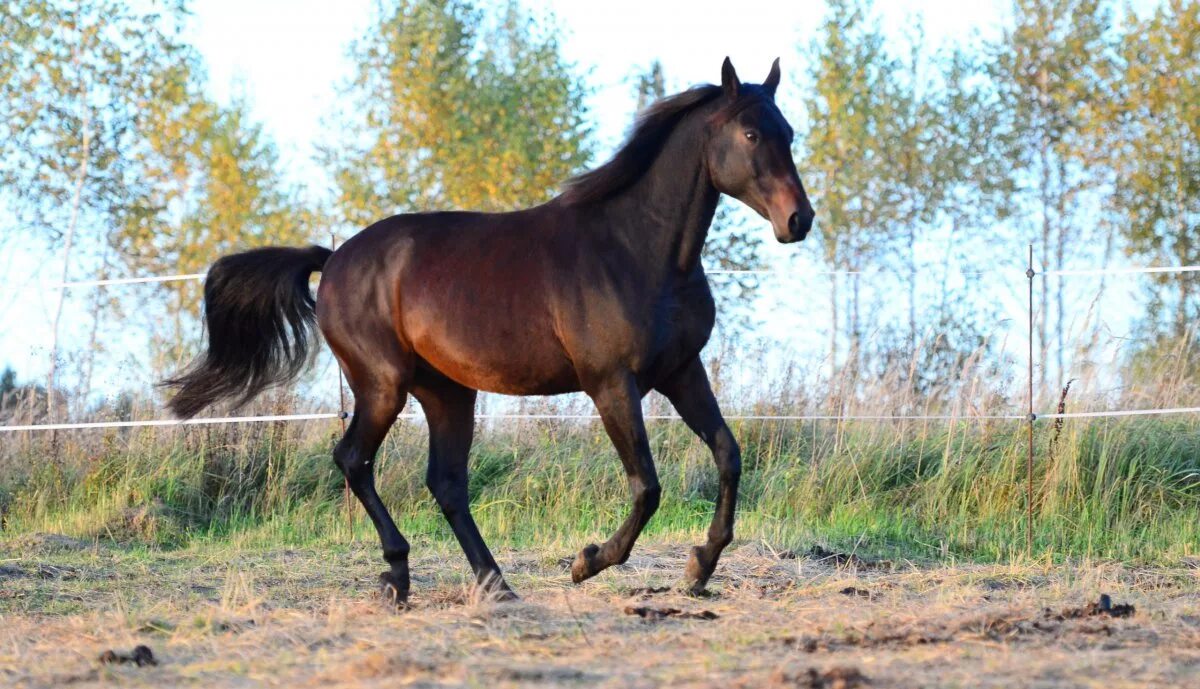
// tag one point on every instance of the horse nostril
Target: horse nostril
(797, 227)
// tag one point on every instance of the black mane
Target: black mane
(649, 134)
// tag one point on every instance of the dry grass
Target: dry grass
(310, 617)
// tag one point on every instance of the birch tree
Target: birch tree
(74, 76)
(1049, 71)
(1155, 150)
(850, 149)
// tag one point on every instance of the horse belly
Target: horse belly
(493, 346)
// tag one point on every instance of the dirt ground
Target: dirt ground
(311, 618)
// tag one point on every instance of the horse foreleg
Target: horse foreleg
(619, 402)
(692, 396)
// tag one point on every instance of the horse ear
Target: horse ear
(772, 81)
(729, 79)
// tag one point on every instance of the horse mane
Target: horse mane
(649, 133)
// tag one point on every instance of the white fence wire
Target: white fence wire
(662, 417)
(715, 271)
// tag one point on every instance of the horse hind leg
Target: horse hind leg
(450, 410)
(375, 410)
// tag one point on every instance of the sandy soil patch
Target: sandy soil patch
(311, 618)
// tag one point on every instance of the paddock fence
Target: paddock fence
(1030, 274)
(1031, 417)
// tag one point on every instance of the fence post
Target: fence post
(1029, 273)
(342, 418)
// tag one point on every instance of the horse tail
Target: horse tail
(260, 318)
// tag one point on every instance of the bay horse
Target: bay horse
(599, 290)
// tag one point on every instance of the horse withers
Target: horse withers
(599, 290)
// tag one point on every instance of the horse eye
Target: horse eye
(751, 136)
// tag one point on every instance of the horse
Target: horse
(599, 290)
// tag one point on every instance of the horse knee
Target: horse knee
(721, 536)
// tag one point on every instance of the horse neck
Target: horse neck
(667, 212)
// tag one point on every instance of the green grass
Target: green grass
(1126, 489)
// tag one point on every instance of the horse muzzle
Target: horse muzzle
(799, 223)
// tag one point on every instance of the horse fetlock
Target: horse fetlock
(397, 557)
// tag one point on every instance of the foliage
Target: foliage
(885, 150)
(25, 401)
(75, 78)
(650, 85)
(106, 127)
(449, 110)
(1051, 72)
(1154, 148)
(76, 81)
(931, 367)
(214, 187)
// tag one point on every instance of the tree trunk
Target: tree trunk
(90, 354)
(1059, 289)
(912, 289)
(1184, 253)
(833, 323)
(855, 352)
(76, 199)
(1042, 323)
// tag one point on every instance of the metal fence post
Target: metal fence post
(342, 418)
(1029, 273)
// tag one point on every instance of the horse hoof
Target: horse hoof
(504, 595)
(394, 590)
(697, 572)
(494, 588)
(584, 566)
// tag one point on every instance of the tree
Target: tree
(1154, 149)
(213, 187)
(650, 86)
(935, 123)
(851, 151)
(20, 401)
(451, 108)
(113, 143)
(74, 77)
(1050, 72)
